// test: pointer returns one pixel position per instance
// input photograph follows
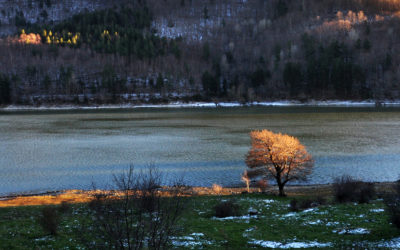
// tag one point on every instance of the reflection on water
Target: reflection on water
(71, 149)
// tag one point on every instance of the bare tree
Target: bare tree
(139, 214)
(279, 156)
(246, 179)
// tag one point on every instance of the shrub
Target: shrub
(320, 200)
(262, 185)
(64, 207)
(348, 189)
(392, 203)
(49, 220)
(367, 192)
(293, 205)
(296, 205)
(217, 188)
(307, 203)
(226, 209)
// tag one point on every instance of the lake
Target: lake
(53, 150)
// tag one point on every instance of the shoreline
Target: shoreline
(84, 196)
(282, 103)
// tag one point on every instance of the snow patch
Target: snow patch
(208, 105)
(309, 210)
(378, 210)
(186, 243)
(244, 217)
(352, 231)
(334, 223)
(190, 241)
(313, 222)
(197, 234)
(274, 244)
(247, 231)
(394, 243)
(292, 214)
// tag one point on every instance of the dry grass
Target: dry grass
(79, 196)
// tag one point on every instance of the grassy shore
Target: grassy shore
(332, 225)
(82, 196)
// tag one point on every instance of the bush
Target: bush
(49, 220)
(348, 189)
(262, 185)
(305, 204)
(392, 202)
(293, 205)
(226, 209)
(217, 188)
(64, 207)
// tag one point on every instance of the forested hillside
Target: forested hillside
(92, 51)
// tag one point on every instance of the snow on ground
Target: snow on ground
(197, 234)
(310, 210)
(208, 105)
(274, 244)
(45, 238)
(291, 214)
(378, 210)
(190, 241)
(352, 231)
(244, 217)
(317, 222)
(332, 223)
(394, 243)
(247, 231)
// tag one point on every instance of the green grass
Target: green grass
(19, 227)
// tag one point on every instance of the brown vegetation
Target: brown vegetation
(81, 196)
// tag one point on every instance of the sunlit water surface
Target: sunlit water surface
(51, 150)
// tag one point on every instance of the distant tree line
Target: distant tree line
(244, 51)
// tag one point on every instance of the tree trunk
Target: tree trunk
(281, 191)
(280, 185)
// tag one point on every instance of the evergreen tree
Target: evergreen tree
(292, 76)
(210, 84)
(5, 89)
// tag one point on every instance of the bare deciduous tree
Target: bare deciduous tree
(139, 214)
(278, 156)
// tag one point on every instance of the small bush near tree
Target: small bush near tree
(226, 209)
(262, 185)
(296, 205)
(49, 220)
(392, 203)
(217, 188)
(64, 207)
(347, 189)
(293, 205)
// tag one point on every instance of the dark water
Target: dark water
(51, 150)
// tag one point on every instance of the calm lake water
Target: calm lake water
(51, 150)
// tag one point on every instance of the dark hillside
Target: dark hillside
(160, 51)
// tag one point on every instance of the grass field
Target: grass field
(334, 226)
